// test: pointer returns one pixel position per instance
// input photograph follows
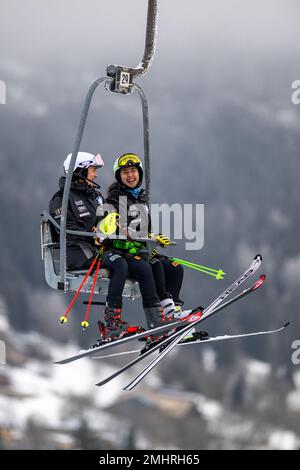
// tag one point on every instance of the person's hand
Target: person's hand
(98, 240)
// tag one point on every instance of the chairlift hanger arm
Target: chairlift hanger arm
(146, 143)
(123, 76)
(150, 39)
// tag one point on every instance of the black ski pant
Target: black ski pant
(172, 278)
(156, 278)
(120, 266)
(141, 270)
(118, 271)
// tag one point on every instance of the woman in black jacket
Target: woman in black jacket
(84, 200)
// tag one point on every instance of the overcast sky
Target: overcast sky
(37, 32)
(209, 52)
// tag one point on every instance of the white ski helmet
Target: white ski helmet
(84, 160)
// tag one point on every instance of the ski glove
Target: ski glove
(109, 224)
(162, 239)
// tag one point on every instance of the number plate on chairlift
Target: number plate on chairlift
(125, 79)
(123, 82)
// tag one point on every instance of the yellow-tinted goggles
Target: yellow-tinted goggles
(124, 160)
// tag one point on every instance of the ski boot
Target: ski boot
(167, 304)
(174, 313)
(113, 327)
(180, 314)
(156, 317)
(169, 311)
(173, 310)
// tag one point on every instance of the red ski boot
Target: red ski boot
(116, 328)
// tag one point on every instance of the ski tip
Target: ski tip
(286, 324)
(258, 257)
(103, 382)
(260, 282)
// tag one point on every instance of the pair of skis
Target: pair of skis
(176, 338)
(193, 342)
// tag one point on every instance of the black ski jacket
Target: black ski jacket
(83, 203)
(136, 208)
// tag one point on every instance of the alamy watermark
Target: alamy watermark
(295, 97)
(2, 92)
(2, 352)
(179, 222)
(296, 353)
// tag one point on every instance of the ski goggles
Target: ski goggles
(128, 159)
(98, 161)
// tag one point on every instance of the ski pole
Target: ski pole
(217, 273)
(195, 264)
(85, 322)
(64, 318)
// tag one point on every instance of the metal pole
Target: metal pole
(146, 142)
(150, 40)
(64, 210)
